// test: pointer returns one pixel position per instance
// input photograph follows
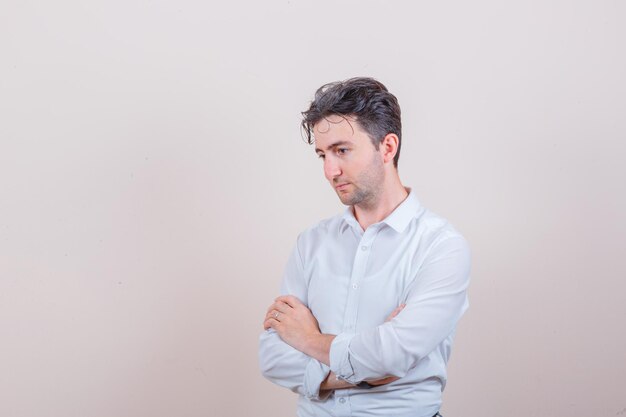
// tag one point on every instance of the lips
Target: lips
(342, 186)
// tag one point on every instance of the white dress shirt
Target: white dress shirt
(351, 280)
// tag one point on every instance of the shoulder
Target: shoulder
(316, 235)
(437, 232)
(441, 251)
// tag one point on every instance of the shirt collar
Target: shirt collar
(398, 220)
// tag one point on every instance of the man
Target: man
(371, 297)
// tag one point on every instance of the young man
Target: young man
(370, 298)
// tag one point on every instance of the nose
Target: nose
(331, 168)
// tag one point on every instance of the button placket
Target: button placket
(342, 403)
(359, 269)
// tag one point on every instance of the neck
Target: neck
(392, 195)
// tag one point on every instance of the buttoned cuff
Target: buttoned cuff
(340, 358)
(314, 374)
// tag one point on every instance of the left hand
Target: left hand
(293, 321)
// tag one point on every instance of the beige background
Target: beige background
(153, 181)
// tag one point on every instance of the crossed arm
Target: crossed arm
(296, 326)
(296, 355)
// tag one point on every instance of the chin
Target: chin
(344, 199)
(347, 200)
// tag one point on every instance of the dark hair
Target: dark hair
(376, 110)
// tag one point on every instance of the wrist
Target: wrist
(317, 346)
(365, 385)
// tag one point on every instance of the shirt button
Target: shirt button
(342, 400)
(363, 247)
(355, 286)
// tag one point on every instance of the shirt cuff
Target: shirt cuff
(314, 374)
(340, 358)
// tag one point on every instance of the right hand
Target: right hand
(395, 312)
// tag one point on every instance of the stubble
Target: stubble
(367, 187)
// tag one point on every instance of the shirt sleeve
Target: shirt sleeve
(279, 362)
(434, 304)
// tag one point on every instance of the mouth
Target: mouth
(342, 186)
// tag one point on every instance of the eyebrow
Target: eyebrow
(334, 145)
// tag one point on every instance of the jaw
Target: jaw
(355, 196)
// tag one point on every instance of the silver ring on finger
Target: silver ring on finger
(276, 314)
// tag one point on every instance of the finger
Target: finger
(271, 308)
(279, 306)
(290, 300)
(398, 309)
(275, 303)
(270, 323)
(395, 312)
(275, 315)
(282, 307)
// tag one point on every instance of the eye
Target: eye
(342, 151)
(320, 155)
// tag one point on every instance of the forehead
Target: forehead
(336, 128)
(335, 122)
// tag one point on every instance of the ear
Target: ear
(389, 147)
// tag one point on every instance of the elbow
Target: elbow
(271, 371)
(269, 368)
(281, 375)
(267, 360)
(267, 363)
(276, 361)
(264, 367)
